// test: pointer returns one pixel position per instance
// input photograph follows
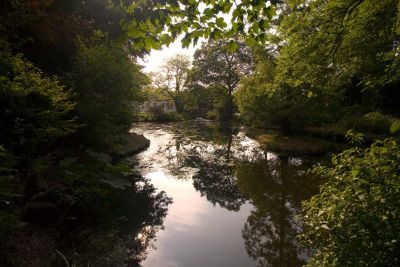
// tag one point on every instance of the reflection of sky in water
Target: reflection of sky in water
(196, 232)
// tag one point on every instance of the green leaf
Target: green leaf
(235, 14)
(185, 42)
(220, 22)
(227, 7)
(149, 43)
(395, 127)
(269, 12)
(67, 162)
(208, 12)
(166, 39)
(232, 46)
(250, 41)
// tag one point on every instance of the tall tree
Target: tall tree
(265, 101)
(214, 65)
(171, 78)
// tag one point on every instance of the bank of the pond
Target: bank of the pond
(295, 145)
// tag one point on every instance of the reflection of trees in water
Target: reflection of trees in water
(142, 224)
(276, 189)
(215, 178)
(216, 181)
(209, 152)
(127, 230)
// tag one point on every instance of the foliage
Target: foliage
(35, 109)
(165, 20)
(171, 78)
(215, 68)
(151, 92)
(46, 31)
(375, 122)
(264, 102)
(106, 82)
(199, 100)
(158, 115)
(317, 68)
(354, 220)
(348, 47)
(395, 127)
(214, 65)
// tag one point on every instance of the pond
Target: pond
(233, 204)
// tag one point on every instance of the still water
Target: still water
(233, 203)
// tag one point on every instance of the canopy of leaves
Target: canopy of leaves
(198, 19)
(350, 46)
(264, 102)
(214, 65)
(172, 77)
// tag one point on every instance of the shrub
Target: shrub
(35, 111)
(106, 81)
(354, 220)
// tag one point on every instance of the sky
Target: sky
(156, 57)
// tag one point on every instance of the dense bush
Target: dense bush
(354, 220)
(35, 109)
(36, 113)
(106, 81)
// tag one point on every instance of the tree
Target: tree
(214, 66)
(46, 32)
(36, 113)
(354, 220)
(264, 101)
(106, 81)
(171, 78)
(347, 47)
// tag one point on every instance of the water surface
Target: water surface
(233, 203)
